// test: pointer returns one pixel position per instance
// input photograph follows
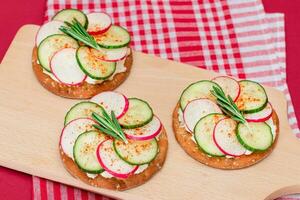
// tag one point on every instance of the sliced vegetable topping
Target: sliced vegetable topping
(253, 97)
(110, 55)
(85, 151)
(196, 109)
(115, 37)
(229, 85)
(68, 15)
(203, 134)
(256, 137)
(47, 29)
(112, 101)
(260, 116)
(98, 23)
(112, 163)
(139, 113)
(137, 152)
(83, 110)
(109, 125)
(226, 139)
(71, 131)
(92, 66)
(65, 68)
(50, 45)
(146, 132)
(200, 89)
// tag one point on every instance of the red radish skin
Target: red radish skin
(66, 126)
(241, 150)
(115, 174)
(59, 78)
(126, 102)
(227, 77)
(156, 132)
(190, 126)
(266, 114)
(102, 16)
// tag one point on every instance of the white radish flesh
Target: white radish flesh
(65, 67)
(260, 116)
(229, 85)
(225, 138)
(146, 132)
(197, 109)
(47, 29)
(99, 23)
(71, 131)
(112, 101)
(112, 163)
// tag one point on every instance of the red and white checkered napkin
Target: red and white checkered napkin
(234, 37)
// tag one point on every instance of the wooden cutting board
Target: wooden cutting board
(31, 120)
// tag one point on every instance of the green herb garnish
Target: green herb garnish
(228, 106)
(77, 31)
(109, 125)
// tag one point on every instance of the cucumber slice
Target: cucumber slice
(115, 37)
(257, 137)
(84, 151)
(137, 152)
(253, 97)
(50, 45)
(200, 89)
(71, 132)
(83, 110)
(67, 15)
(203, 134)
(138, 114)
(92, 66)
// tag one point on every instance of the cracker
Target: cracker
(116, 183)
(184, 138)
(83, 91)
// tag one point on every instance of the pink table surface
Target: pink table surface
(14, 14)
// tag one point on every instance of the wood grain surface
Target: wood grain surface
(31, 120)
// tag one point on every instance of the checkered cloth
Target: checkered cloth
(234, 37)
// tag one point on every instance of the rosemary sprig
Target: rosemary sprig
(109, 125)
(228, 106)
(77, 31)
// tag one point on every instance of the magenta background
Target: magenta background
(15, 13)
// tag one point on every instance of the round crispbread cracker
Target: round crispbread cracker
(84, 90)
(184, 138)
(116, 183)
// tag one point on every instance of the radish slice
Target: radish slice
(71, 131)
(50, 28)
(229, 85)
(112, 163)
(65, 67)
(110, 55)
(112, 101)
(260, 116)
(197, 109)
(98, 23)
(146, 132)
(225, 138)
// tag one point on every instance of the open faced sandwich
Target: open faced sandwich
(112, 141)
(226, 124)
(78, 55)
